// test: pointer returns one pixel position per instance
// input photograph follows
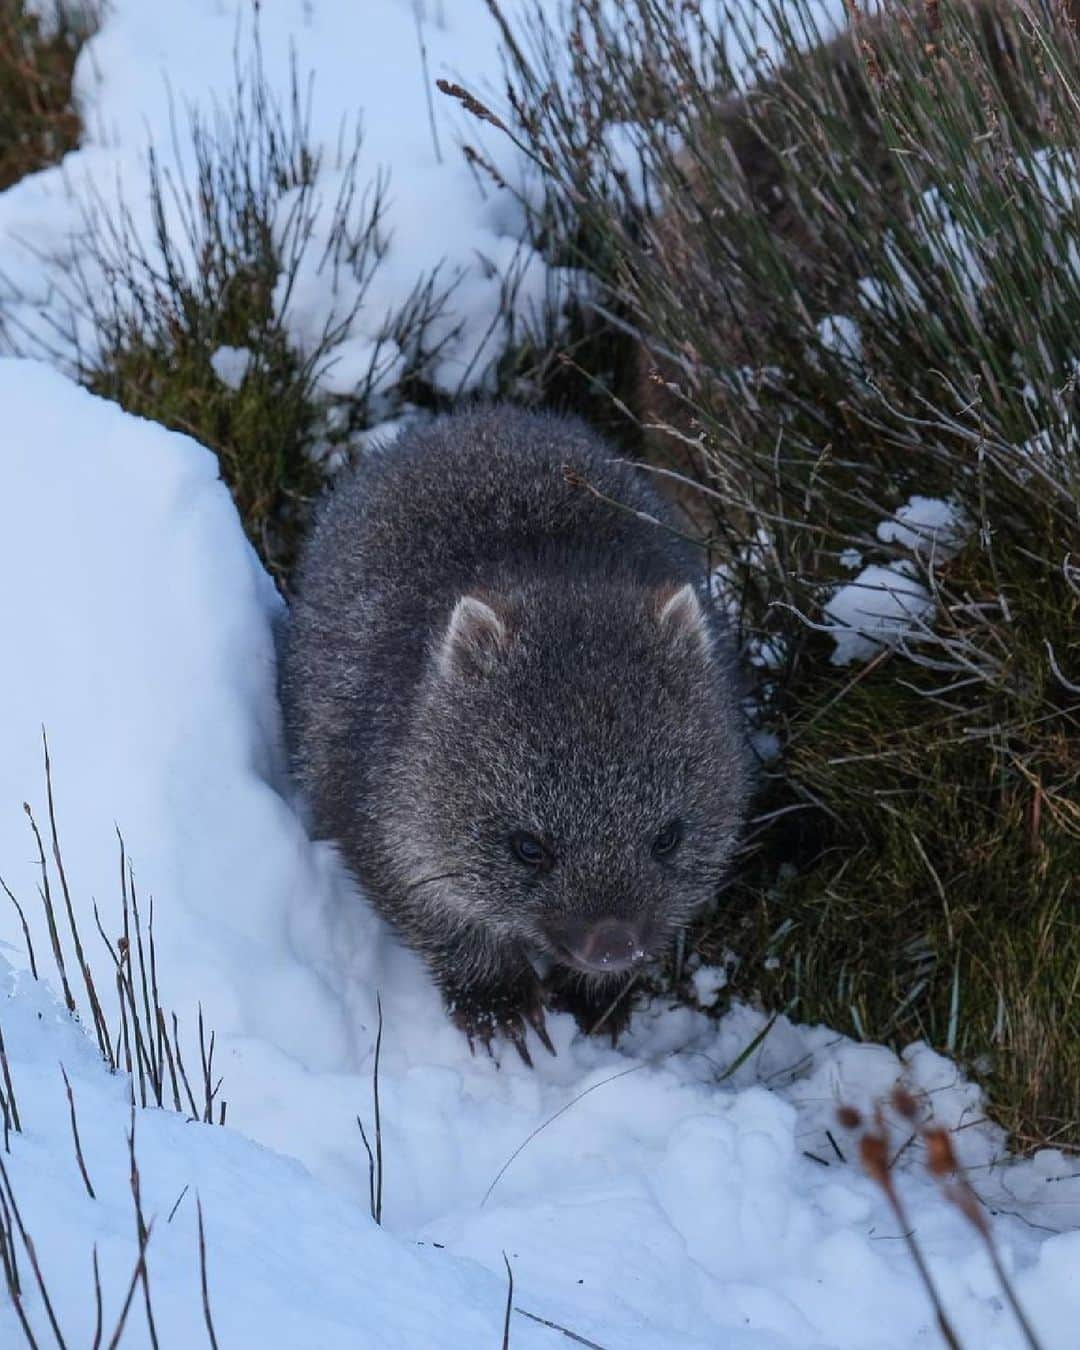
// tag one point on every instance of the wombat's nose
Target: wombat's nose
(611, 945)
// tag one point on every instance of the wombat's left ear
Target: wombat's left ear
(474, 639)
(680, 613)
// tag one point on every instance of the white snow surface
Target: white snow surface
(880, 607)
(664, 1203)
(927, 526)
(658, 1200)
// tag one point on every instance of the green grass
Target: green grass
(912, 872)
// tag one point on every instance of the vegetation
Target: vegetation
(40, 122)
(230, 246)
(227, 248)
(857, 284)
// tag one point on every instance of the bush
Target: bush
(854, 287)
(38, 120)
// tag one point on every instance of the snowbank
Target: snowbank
(664, 1203)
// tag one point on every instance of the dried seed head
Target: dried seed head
(874, 1153)
(848, 1117)
(940, 1158)
(470, 103)
(904, 1103)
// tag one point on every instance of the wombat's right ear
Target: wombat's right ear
(679, 612)
(474, 638)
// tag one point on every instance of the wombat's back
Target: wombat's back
(470, 496)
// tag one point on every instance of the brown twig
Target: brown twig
(202, 1276)
(75, 1136)
(141, 1228)
(100, 1027)
(509, 1302)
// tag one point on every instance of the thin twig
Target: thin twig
(509, 1302)
(9, 1087)
(634, 1068)
(141, 1229)
(75, 1136)
(202, 1276)
(28, 1244)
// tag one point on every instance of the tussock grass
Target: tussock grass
(39, 122)
(912, 871)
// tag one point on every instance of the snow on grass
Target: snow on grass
(678, 1192)
(149, 66)
(881, 606)
(927, 526)
(231, 365)
(886, 603)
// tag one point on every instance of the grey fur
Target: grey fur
(566, 703)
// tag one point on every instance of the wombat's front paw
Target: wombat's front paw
(489, 1015)
(599, 1008)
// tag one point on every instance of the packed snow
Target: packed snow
(676, 1192)
(645, 1197)
(926, 526)
(887, 603)
(881, 606)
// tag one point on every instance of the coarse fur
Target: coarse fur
(481, 648)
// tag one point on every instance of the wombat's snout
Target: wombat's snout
(605, 946)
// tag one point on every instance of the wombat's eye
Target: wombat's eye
(667, 841)
(527, 849)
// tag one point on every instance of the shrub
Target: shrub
(854, 287)
(38, 119)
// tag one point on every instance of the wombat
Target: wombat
(510, 701)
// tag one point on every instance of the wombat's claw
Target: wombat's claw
(535, 1018)
(483, 1029)
(515, 1034)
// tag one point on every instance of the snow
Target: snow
(646, 1197)
(880, 607)
(884, 604)
(292, 1265)
(926, 526)
(231, 365)
(708, 982)
(841, 335)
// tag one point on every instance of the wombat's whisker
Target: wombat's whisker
(430, 881)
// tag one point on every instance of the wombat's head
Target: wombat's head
(575, 773)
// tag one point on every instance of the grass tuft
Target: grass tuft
(39, 122)
(851, 274)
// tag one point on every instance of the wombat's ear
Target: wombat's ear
(680, 613)
(474, 638)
